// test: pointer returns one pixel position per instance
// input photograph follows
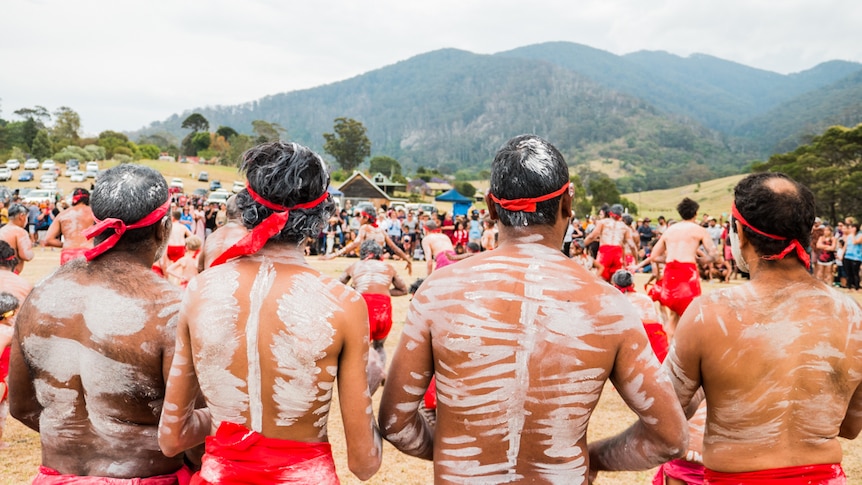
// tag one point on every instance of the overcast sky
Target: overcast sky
(122, 65)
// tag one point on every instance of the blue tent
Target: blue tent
(460, 203)
(335, 192)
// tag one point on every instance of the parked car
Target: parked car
(238, 187)
(13, 164)
(77, 176)
(215, 185)
(48, 184)
(48, 164)
(41, 195)
(218, 197)
(5, 174)
(203, 177)
(26, 176)
(91, 174)
(94, 166)
(31, 164)
(176, 183)
(200, 192)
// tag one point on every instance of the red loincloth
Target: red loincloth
(48, 476)
(679, 285)
(176, 252)
(239, 456)
(431, 395)
(689, 472)
(826, 474)
(443, 259)
(379, 315)
(4, 370)
(611, 257)
(657, 339)
(69, 254)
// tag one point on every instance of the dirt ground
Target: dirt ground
(20, 459)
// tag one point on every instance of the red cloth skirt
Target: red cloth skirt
(679, 285)
(176, 252)
(827, 474)
(611, 257)
(379, 315)
(48, 476)
(657, 339)
(238, 456)
(689, 472)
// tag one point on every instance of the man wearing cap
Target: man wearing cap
(613, 235)
(94, 343)
(15, 234)
(265, 337)
(779, 358)
(521, 341)
(377, 281)
(645, 233)
(71, 224)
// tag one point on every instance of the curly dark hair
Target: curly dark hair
(775, 204)
(687, 208)
(8, 258)
(286, 174)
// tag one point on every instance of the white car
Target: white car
(219, 196)
(48, 165)
(13, 164)
(77, 176)
(92, 167)
(238, 187)
(177, 182)
(5, 174)
(40, 195)
(48, 185)
(31, 164)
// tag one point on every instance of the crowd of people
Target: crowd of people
(182, 353)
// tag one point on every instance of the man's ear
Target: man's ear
(566, 203)
(163, 230)
(492, 207)
(743, 238)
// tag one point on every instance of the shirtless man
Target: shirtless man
(438, 249)
(226, 236)
(370, 230)
(264, 337)
(177, 239)
(94, 343)
(780, 357)
(521, 341)
(15, 234)
(71, 224)
(489, 235)
(614, 237)
(678, 247)
(376, 281)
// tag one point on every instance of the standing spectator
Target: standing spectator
(15, 234)
(460, 237)
(645, 233)
(475, 227)
(852, 254)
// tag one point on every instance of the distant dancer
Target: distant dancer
(71, 224)
(226, 236)
(377, 281)
(614, 238)
(15, 234)
(177, 240)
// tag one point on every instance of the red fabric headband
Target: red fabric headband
(120, 228)
(371, 218)
(527, 204)
(272, 225)
(77, 198)
(801, 253)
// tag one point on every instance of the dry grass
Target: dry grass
(714, 197)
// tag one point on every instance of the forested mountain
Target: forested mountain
(669, 120)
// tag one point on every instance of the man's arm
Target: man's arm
(399, 287)
(181, 426)
(23, 404)
(426, 250)
(409, 376)
(709, 246)
(364, 444)
(401, 254)
(597, 232)
(348, 273)
(52, 235)
(25, 247)
(661, 432)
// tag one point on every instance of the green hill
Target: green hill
(714, 196)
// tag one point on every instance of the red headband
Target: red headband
(527, 204)
(77, 198)
(119, 228)
(272, 225)
(371, 219)
(801, 253)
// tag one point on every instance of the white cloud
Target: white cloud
(122, 65)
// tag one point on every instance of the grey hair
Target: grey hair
(128, 192)
(368, 248)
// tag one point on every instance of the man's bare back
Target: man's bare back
(681, 241)
(70, 224)
(99, 343)
(434, 244)
(375, 277)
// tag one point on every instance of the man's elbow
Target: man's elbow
(169, 446)
(848, 431)
(672, 444)
(364, 467)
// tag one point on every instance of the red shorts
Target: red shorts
(827, 474)
(379, 315)
(176, 252)
(48, 476)
(679, 285)
(69, 254)
(237, 455)
(657, 339)
(689, 472)
(611, 257)
(443, 259)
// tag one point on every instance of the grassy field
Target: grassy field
(714, 197)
